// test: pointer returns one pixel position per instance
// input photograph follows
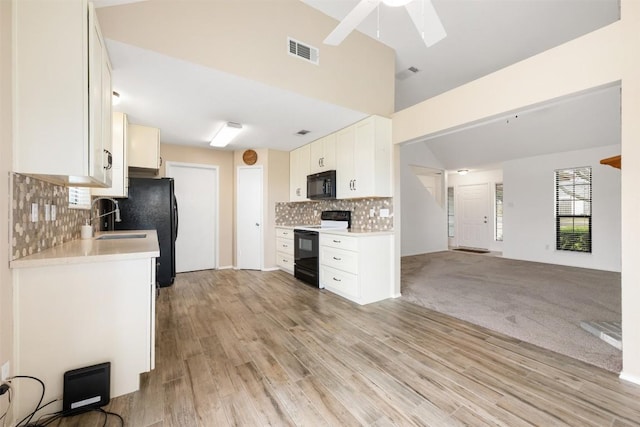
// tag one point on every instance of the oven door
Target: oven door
(306, 256)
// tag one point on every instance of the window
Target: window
(79, 197)
(573, 209)
(499, 197)
(450, 213)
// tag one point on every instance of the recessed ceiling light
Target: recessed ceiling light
(463, 171)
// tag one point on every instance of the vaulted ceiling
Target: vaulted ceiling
(482, 37)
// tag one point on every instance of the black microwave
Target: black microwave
(321, 185)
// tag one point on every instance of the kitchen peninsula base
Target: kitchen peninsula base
(76, 314)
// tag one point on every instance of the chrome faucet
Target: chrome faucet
(116, 210)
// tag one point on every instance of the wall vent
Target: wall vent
(302, 132)
(301, 50)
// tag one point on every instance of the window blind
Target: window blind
(499, 199)
(573, 209)
(80, 197)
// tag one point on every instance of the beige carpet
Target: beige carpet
(542, 304)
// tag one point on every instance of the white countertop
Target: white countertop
(352, 232)
(92, 250)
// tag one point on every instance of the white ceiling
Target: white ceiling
(187, 101)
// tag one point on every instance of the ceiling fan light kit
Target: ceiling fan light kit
(396, 3)
(422, 13)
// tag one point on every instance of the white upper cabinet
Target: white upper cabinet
(62, 88)
(363, 159)
(298, 170)
(120, 181)
(323, 154)
(144, 147)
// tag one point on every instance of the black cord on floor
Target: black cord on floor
(29, 417)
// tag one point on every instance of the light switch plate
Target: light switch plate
(5, 371)
(34, 212)
(384, 213)
(54, 212)
(47, 212)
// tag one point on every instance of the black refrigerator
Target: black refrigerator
(152, 205)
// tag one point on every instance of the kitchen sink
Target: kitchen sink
(122, 236)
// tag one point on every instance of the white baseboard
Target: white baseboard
(226, 267)
(271, 269)
(396, 295)
(630, 378)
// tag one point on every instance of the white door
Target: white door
(249, 218)
(473, 216)
(196, 190)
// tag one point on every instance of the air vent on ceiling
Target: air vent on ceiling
(301, 50)
(302, 132)
(405, 74)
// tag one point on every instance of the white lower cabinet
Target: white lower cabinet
(357, 267)
(74, 315)
(284, 248)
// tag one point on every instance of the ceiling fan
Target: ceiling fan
(422, 13)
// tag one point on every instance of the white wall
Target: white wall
(424, 221)
(529, 212)
(490, 177)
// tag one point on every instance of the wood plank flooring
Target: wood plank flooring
(245, 348)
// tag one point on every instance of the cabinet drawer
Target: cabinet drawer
(339, 258)
(339, 282)
(284, 233)
(339, 241)
(285, 246)
(284, 261)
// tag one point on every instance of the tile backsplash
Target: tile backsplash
(308, 213)
(32, 237)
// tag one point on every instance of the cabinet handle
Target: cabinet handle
(109, 160)
(337, 241)
(354, 185)
(160, 160)
(337, 259)
(337, 280)
(285, 246)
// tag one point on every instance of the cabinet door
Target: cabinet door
(345, 169)
(323, 154)
(299, 168)
(144, 147)
(364, 159)
(99, 104)
(119, 181)
(316, 149)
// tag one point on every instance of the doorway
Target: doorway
(249, 212)
(196, 189)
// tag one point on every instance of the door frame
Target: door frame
(216, 169)
(262, 211)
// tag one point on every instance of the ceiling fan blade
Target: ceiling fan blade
(426, 21)
(351, 21)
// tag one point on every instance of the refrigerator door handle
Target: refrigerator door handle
(175, 215)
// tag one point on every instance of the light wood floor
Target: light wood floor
(252, 348)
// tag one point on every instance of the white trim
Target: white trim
(226, 267)
(272, 269)
(630, 378)
(216, 169)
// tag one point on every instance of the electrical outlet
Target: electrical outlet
(54, 212)
(34, 212)
(384, 213)
(372, 212)
(5, 371)
(47, 212)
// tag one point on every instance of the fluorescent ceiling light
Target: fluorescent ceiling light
(226, 134)
(463, 171)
